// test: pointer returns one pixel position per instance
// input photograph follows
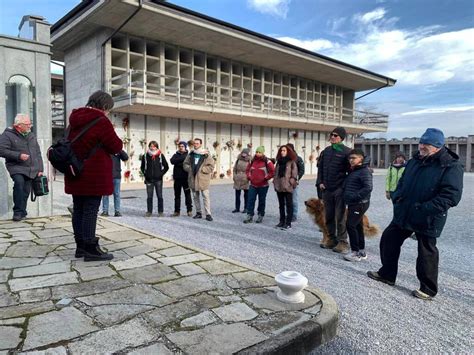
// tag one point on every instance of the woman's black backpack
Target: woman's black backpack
(62, 156)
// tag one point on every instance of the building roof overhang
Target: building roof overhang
(166, 22)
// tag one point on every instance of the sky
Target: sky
(426, 45)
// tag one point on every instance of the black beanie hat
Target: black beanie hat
(340, 131)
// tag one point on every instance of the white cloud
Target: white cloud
(445, 109)
(422, 56)
(278, 8)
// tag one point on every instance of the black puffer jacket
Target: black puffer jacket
(153, 169)
(177, 160)
(428, 188)
(12, 145)
(333, 167)
(117, 160)
(358, 184)
(300, 165)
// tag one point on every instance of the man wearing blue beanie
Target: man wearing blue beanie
(431, 184)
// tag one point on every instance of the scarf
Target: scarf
(339, 147)
(153, 154)
(282, 165)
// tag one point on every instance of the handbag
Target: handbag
(39, 187)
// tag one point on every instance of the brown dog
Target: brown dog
(315, 207)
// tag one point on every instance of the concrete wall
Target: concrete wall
(31, 59)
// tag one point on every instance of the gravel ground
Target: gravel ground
(374, 317)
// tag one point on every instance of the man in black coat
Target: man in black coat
(180, 177)
(19, 147)
(300, 165)
(333, 167)
(431, 184)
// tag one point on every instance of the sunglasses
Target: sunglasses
(334, 135)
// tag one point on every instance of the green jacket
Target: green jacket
(393, 176)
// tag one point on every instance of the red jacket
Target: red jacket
(96, 177)
(259, 171)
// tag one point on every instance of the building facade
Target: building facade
(175, 74)
(382, 151)
(25, 87)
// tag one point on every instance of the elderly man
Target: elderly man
(431, 184)
(19, 147)
(333, 166)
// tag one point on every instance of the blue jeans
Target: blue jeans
(295, 202)
(105, 199)
(261, 192)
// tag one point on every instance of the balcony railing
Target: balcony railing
(148, 87)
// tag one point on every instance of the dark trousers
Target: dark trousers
(158, 187)
(84, 217)
(21, 192)
(285, 202)
(426, 262)
(178, 185)
(354, 225)
(261, 192)
(335, 214)
(237, 199)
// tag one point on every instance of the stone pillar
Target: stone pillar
(371, 155)
(469, 153)
(387, 155)
(379, 155)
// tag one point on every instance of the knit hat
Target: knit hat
(183, 143)
(433, 136)
(340, 131)
(245, 151)
(260, 149)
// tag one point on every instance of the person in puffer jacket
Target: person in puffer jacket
(259, 172)
(241, 182)
(394, 174)
(357, 188)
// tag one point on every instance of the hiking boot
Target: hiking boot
(161, 214)
(148, 214)
(93, 252)
(259, 219)
(79, 248)
(421, 295)
(190, 213)
(286, 227)
(354, 256)
(280, 225)
(117, 214)
(209, 218)
(198, 215)
(249, 219)
(341, 247)
(235, 211)
(104, 214)
(363, 254)
(374, 275)
(175, 214)
(329, 244)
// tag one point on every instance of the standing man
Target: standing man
(19, 147)
(333, 167)
(431, 184)
(300, 166)
(180, 177)
(117, 160)
(199, 166)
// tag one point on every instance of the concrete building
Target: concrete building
(25, 87)
(176, 74)
(383, 151)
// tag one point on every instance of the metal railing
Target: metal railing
(149, 86)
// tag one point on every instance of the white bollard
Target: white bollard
(291, 283)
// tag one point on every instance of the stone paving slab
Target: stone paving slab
(155, 296)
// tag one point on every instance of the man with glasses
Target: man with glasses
(19, 147)
(333, 167)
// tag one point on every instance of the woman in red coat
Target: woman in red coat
(94, 147)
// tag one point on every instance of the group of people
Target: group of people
(422, 189)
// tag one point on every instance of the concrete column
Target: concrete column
(457, 148)
(410, 151)
(469, 153)
(371, 155)
(379, 155)
(387, 155)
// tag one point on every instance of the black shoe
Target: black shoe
(93, 252)
(249, 219)
(235, 211)
(209, 218)
(104, 214)
(117, 214)
(286, 227)
(245, 211)
(279, 225)
(198, 215)
(259, 219)
(374, 275)
(79, 248)
(17, 218)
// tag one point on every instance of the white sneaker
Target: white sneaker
(354, 256)
(363, 254)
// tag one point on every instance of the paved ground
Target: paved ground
(155, 297)
(374, 317)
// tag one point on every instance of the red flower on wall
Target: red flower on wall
(126, 174)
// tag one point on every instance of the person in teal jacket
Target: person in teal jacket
(395, 172)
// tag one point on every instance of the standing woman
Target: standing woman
(241, 182)
(285, 181)
(154, 166)
(94, 147)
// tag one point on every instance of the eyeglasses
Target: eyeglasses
(334, 135)
(26, 124)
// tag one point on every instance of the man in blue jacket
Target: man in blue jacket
(431, 184)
